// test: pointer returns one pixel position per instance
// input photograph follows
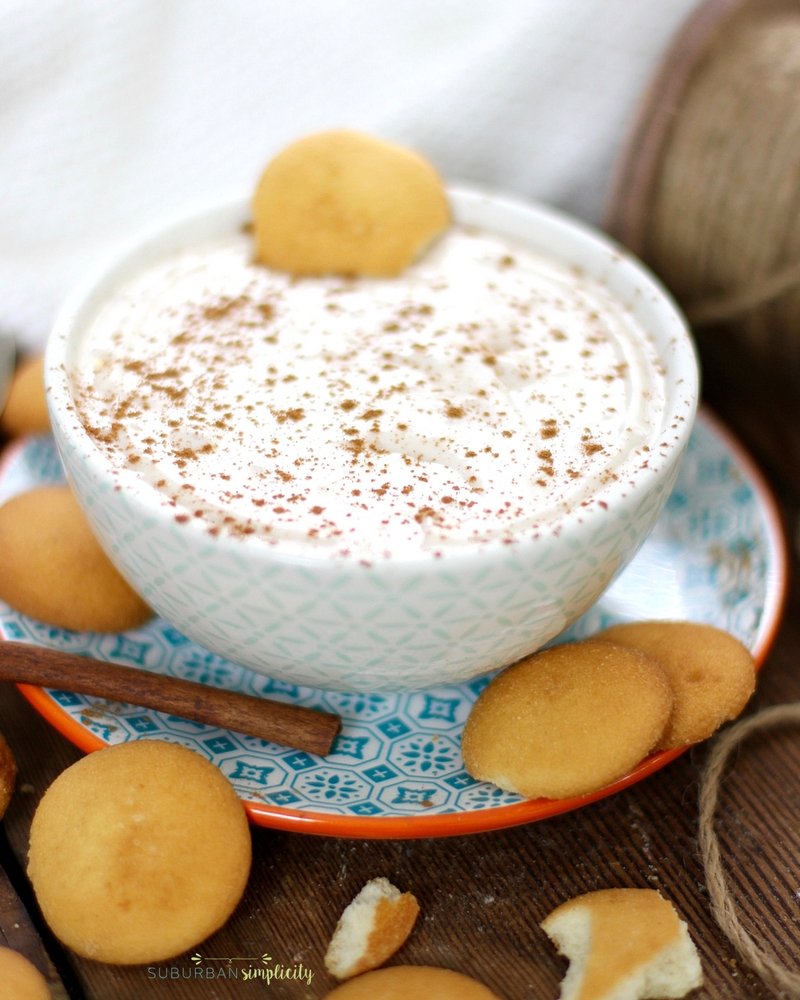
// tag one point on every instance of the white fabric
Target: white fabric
(113, 115)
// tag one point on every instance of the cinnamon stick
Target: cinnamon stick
(290, 725)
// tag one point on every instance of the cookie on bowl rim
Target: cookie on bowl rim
(712, 674)
(342, 202)
(568, 720)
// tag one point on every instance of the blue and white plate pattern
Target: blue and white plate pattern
(715, 556)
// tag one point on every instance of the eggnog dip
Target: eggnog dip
(477, 398)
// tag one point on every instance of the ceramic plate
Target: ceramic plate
(716, 555)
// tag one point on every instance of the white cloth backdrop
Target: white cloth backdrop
(114, 114)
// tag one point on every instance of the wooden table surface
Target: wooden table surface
(482, 897)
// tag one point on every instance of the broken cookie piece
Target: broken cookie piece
(623, 944)
(371, 929)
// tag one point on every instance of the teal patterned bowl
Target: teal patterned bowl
(395, 625)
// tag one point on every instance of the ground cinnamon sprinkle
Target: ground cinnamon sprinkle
(549, 428)
(294, 414)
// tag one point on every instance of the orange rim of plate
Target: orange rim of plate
(485, 820)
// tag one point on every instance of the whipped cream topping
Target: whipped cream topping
(482, 395)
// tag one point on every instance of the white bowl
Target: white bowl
(392, 625)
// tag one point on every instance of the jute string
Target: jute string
(773, 972)
(724, 221)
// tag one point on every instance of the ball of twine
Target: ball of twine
(772, 971)
(723, 227)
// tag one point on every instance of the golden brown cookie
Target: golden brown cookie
(567, 721)
(54, 569)
(8, 772)
(20, 979)
(412, 982)
(712, 674)
(623, 944)
(25, 411)
(138, 852)
(341, 202)
(371, 929)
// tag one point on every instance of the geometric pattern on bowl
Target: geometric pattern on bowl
(713, 557)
